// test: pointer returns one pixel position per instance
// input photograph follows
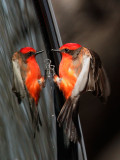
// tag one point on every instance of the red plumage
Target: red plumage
(27, 49)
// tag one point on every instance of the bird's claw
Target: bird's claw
(41, 82)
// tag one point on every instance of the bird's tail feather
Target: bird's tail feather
(69, 116)
(36, 121)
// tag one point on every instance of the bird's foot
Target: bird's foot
(41, 81)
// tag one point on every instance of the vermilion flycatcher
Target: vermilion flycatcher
(27, 79)
(80, 71)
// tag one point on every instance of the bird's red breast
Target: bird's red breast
(33, 74)
(66, 72)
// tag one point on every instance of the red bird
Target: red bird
(80, 71)
(27, 79)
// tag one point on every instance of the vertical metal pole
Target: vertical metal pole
(81, 146)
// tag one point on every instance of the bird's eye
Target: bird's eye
(30, 53)
(67, 50)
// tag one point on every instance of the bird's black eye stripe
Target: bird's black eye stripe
(30, 53)
(67, 50)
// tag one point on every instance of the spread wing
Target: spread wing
(18, 83)
(97, 79)
(92, 76)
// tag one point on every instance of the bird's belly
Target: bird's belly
(67, 86)
(34, 90)
(68, 75)
(68, 82)
(32, 84)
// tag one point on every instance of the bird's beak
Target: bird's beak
(39, 52)
(55, 50)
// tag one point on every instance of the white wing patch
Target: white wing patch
(82, 78)
(18, 81)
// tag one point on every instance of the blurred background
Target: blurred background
(95, 24)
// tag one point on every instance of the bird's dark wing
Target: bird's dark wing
(18, 84)
(98, 82)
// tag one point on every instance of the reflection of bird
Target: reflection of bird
(27, 79)
(80, 71)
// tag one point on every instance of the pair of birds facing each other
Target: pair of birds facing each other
(80, 70)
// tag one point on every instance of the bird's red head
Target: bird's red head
(26, 50)
(67, 50)
(70, 46)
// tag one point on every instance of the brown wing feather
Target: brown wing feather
(97, 81)
(18, 84)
